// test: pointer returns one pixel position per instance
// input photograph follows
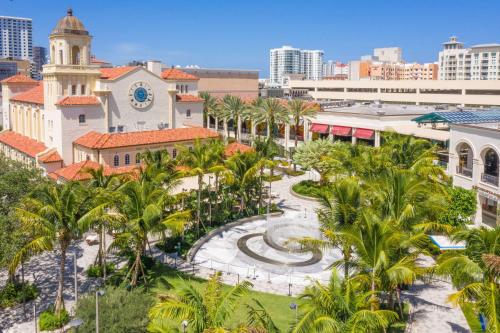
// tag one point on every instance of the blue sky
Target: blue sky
(239, 34)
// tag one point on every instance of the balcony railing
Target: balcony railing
(489, 179)
(464, 171)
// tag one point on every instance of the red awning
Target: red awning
(341, 130)
(363, 133)
(319, 128)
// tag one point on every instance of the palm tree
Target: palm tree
(271, 112)
(234, 108)
(299, 109)
(53, 216)
(383, 255)
(204, 309)
(200, 159)
(209, 108)
(143, 205)
(472, 274)
(244, 168)
(339, 307)
(102, 191)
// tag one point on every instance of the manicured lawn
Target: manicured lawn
(472, 318)
(276, 305)
(308, 188)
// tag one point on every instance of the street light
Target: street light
(209, 200)
(184, 325)
(76, 277)
(295, 306)
(98, 293)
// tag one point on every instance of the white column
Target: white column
(377, 138)
(307, 136)
(238, 129)
(253, 128)
(226, 134)
(216, 124)
(354, 139)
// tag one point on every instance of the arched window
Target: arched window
(116, 160)
(465, 157)
(75, 55)
(137, 158)
(490, 172)
(61, 61)
(127, 159)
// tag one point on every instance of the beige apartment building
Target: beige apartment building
(418, 92)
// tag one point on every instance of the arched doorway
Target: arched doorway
(490, 171)
(465, 159)
(75, 55)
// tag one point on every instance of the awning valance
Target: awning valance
(319, 128)
(363, 133)
(341, 130)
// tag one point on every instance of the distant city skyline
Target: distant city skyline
(240, 34)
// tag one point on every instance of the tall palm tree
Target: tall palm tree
(209, 108)
(53, 216)
(204, 309)
(272, 112)
(200, 159)
(339, 307)
(234, 108)
(299, 109)
(143, 206)
(102, 189)
(244, 168)
(472, 274)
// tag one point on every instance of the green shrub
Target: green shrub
(308, 188)
(15, 293)
(461, 207)
(49, 321)
(119, 311)
(95, 271)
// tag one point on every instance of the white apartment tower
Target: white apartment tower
(289, 60)
(479, 62)
(16, 38)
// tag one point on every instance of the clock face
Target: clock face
(140, 95)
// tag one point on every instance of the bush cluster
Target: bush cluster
(96, 271)
(49, 321)
(15, 292)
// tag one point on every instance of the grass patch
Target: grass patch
(49, 321)
(472, 318)
(307, 188)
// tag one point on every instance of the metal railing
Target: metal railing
(464, 171)
(489, 179)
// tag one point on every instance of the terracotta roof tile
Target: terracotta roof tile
(19, 78)
(50, 157)
(76, 171)
(115, 72)
(188, 99)
(34, 95)
(98, 61)
(78, 100)
(236, 147)
(22, 143)
(177, 75)
(95, 140)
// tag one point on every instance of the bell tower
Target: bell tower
(69, 71)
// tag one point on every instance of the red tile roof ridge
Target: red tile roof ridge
(77, 171)
(187, 98)
(96, 140)
(114, 73)
(32, 96)
(19, 78)
(49, 156)
(176, 74)
(78, 100)
(21, 143)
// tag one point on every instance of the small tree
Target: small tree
(313, 155)
(461, 207)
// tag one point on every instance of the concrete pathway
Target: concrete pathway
(43, 269)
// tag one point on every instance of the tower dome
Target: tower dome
(70, 25)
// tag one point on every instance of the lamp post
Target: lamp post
(184, 325)
(75, 277)
(97, 294)
(295, 306)
(209, 200)
(34, 316)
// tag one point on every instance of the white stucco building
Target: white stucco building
(81, 112)
(474, 151)
(289, 60)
